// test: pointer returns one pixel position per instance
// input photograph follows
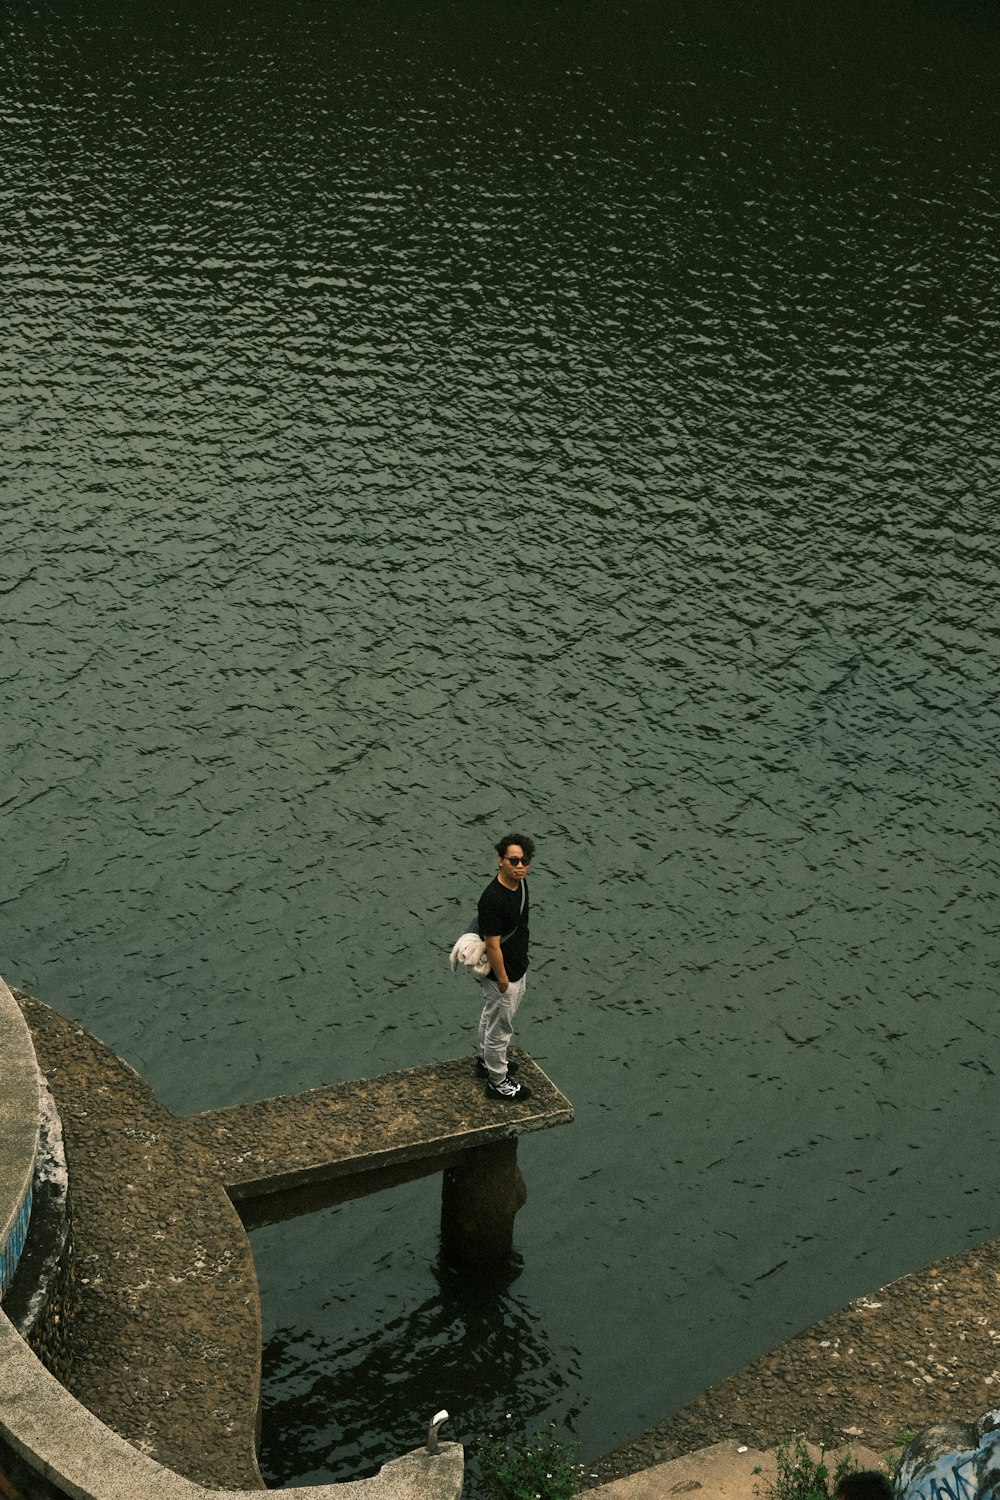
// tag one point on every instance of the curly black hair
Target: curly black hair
(527, 845)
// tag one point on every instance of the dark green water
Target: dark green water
(424, 419)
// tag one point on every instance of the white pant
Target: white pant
(496, 1024)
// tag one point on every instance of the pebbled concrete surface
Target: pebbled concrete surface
(165, 1339)
(164, 1344)
(724, 1471)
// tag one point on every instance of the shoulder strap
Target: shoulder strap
(510, 934)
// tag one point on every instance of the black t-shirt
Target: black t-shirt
(499, 912)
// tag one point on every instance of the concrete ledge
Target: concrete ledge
(164, 1341)
(20, 1113)
(70, 1448)
(409, 1123)
(723, 1471)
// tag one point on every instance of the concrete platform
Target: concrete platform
(165, 1342)
(289, 1155)
(723, 1471)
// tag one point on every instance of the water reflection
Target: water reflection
(341, 1409)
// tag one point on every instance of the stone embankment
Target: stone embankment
(159, 1342)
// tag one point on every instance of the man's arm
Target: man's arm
(495, 955)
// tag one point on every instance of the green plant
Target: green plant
(892, 1457)
(802, 1477)
(519, 1466)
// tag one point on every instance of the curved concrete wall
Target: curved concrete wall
(69, 1450)
(20, 1115)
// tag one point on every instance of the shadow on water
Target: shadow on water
(337, 1411)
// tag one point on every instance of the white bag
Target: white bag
(470, 950)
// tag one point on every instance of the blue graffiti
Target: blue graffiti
(948, 1481)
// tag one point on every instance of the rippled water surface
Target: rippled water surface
(422, 419)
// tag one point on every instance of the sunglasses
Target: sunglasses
(516, 859)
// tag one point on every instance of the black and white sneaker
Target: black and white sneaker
(484, 1071)
(509, 1091)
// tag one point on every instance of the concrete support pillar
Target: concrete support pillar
(479, 1198)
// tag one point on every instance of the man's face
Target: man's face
(513, 863)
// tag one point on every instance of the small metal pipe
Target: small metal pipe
(434, 1429)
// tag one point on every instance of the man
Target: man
(503, 927)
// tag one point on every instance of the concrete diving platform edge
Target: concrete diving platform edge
(296, 1153)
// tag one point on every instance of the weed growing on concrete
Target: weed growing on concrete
(801, 1477)
(535, 1466)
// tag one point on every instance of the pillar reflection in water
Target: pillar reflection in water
(341, 1409)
